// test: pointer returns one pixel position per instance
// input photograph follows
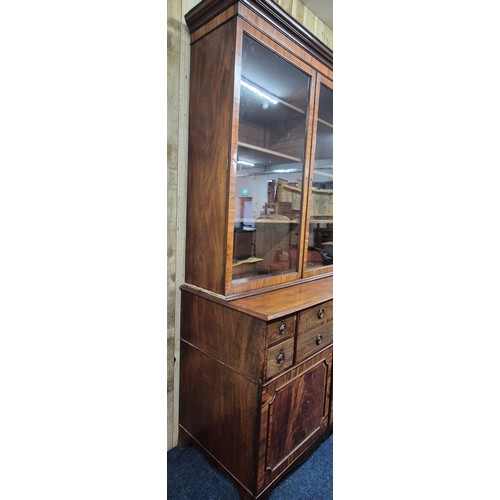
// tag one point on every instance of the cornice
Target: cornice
(272, 13)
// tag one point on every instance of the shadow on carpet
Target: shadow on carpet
(191, 477)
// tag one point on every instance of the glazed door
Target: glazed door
(271, 135)
(319, 230)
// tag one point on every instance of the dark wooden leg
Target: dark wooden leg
(184, 439)
(265, 495)
(244, 494)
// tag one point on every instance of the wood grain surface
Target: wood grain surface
(274, 304)
(294, 414)
(219, 409)
(256, 357)
(212, 72)
(283, 351)
(238, 340)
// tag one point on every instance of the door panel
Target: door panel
(295, 412)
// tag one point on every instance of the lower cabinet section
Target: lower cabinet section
(254, 431)
(256, 380)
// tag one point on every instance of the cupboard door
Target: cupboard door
(319, 247)
(295, 413)
(273, 140)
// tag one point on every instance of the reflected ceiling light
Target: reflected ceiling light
(258, 92)
(242, 162)
(285, 170)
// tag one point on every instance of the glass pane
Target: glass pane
(274, 97)
(320, 245)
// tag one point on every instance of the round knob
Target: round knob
(321, 313)
(280, 358)
(282, 328)
(319, 339)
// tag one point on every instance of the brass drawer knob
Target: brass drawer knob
(321, 313)
(282, 328)
(281, 358)
(319, 339)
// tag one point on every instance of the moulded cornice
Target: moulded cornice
(272, 13)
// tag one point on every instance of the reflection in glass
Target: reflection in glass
(274, 97)
(320, 245)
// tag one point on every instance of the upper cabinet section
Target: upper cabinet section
(260, 158)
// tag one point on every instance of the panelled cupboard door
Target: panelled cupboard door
(295, 412)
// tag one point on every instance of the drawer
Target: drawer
(312, 341)
(281, 329)
(315, 316)
(279, 358)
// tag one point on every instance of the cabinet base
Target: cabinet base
(185, 440)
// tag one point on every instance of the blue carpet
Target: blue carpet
(191, 477)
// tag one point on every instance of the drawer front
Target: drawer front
(312, 341)
(315, 316)
(281, 329)
(279, 358)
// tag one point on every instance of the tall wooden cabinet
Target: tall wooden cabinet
(256, 331)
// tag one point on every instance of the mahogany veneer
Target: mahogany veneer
(256, 330)
(255, 383)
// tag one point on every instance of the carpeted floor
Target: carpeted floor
(191, 477)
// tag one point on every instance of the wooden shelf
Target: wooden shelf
(266, 221)
(270, 94)
(291, 106)
(266, 156)
(328, 124)
(325, 219)
(252, 110)
(277, 221)
(249, 260)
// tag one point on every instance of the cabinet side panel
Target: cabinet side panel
(219, 409)
(236, 339)
(211, 99)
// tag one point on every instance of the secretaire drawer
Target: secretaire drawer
(280, 329)
(279, 358)
(315, 316)
(312, 341)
